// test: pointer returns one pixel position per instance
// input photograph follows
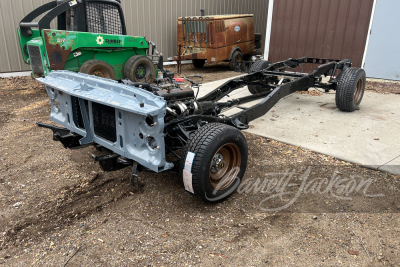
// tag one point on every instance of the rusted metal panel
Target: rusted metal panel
(56, 53)
(221, 29)
(214, 37)
(323, 29)
(217, 54)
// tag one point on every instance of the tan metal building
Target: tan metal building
(154, 19)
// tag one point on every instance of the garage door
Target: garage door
(335, 29)
(383, 57)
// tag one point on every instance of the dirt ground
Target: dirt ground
(58, 207)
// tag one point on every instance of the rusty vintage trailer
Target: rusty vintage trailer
(216, 38)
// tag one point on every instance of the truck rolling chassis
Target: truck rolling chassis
(139, 125)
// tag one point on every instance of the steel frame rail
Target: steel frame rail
(268, 78)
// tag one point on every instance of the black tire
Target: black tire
(198, 63)
(350, 89)
(140, 69)
(258, 36)
(258, 44)
(257, 66)
(205, 143)
(247, 57)
(236, 57)
(98, 68)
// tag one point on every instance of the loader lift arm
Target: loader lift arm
(58, 11)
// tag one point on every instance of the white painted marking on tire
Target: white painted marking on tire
(189, 161)
(187, 181)
(187, 172)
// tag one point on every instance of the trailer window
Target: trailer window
(103, 18)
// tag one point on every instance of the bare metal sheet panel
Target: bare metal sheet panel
(130, 107)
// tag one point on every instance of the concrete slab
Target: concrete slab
(369, 136)
(15, 74)
(392, 166)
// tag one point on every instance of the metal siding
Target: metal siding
(10, 42)
(4, 56)
(334, 29)
(154, 19)
(11, 12)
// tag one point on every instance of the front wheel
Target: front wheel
(198, 63)
(214, 162)
(350, 89)
(236, 58)
(98, 68)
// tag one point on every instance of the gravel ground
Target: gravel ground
(210, 72)
(383, 87)
(58, 206)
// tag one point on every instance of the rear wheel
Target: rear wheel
(350, 89)
(198, 63)
(257, 66)
(140, 69)
(236, 57)
(98, 68)
(214, 162)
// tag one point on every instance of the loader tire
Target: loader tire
(198, 63)
(236, 57)
(257, 66)
(350, 89)
(98, 68)
(214, 162)
(140, 69)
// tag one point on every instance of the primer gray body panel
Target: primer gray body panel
(133, 133)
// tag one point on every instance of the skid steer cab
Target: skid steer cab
(90, 38)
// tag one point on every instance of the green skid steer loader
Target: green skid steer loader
(91, 38)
